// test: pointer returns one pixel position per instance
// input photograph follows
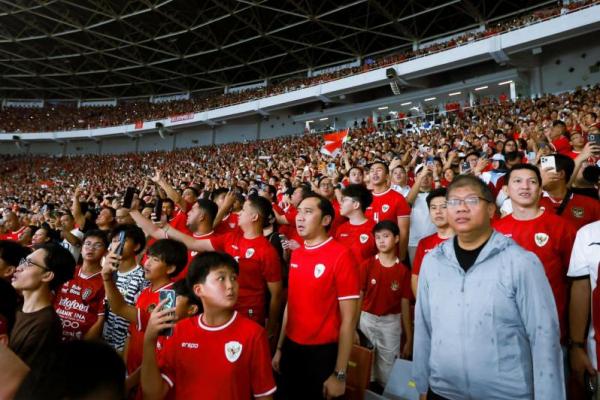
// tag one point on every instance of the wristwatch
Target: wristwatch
(572, 343)
(340, 375)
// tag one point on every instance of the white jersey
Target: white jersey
(585, 260)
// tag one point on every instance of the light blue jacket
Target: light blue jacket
(489, 333)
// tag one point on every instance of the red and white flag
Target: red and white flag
(334, 142)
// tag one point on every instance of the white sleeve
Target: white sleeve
(579, 264)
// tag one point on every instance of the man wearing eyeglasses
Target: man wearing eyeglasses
(486, 324)
(37, 328)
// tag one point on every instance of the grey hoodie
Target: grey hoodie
(489, 333)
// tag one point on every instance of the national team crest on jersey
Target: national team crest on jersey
(363, 238)
(577, 212)
(193, 253)
(233, 351)
(385, 208)
(319, 269)
(249, 253)
(395, 286)
(86, 293)
(231, 225)
(541, 239)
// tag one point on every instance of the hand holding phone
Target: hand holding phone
(128, 197)
(170, 296)
(548, 162)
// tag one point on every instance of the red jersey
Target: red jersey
(78, 303)
(388, 206)
(13, 235)
(259, 264)
(227, 224)
(551, 238)
(145, 304)
(384, 287)
(338, 219)
(228, 362)
(562, 145)
(179, 222)
(319, 278)
(580, 210)
(358, 239)
(425, 246)
(191, 254)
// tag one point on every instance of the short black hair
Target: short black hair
(566, 164)
(357, 168)
(439, 192)
(262, 206)
(387, 226)
(385, 166)
(194, 190)
(97, 233)
(60, 261)
(12, 252)
(56, 378)
(171, 252)
(167, 200)
(113, 212)
(202, 264)
(217, 192)
(209, 207)
(359, 193)
(529, 167)
(324, 205)
(182, 289)
(132, 232)
(472, 182)
(512, 156)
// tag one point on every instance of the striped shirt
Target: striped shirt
(130, 284)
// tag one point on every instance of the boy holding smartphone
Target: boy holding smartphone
(218, 355)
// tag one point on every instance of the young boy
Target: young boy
(166, 257)
(385, 302)
(130, 281)
(217, 355)
(80, 302)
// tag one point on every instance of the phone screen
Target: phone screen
(128, 197)
(171, 297)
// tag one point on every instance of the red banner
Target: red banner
(139, 124)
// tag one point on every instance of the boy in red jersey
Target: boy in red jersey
(540, 231)
(388, 205)
(357, 233)
(166, 257)
(320, 317)
(219, 355)
(259, 261)
(79, 303)
(385, 310)
(436, 202)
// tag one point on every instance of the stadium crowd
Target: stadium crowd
(273, 256)
(66, 117)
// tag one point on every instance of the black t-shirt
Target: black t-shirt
(466, 258)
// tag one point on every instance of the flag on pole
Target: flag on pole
(334, 142)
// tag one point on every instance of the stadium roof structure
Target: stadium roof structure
(95, 49)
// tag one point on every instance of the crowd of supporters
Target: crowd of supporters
(65, 117)
(466, 241)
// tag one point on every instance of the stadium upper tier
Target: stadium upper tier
(63, 121)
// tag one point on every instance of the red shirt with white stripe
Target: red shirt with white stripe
(580, 210)
(13, 235)
(191, 254)
(384, 287)
(145, 304)
(358, 239)
(228, 224)
(425, 245)
(227, 362)
(319, 278)
(78, 304)
(259, 265)
(551, 238)
(388, 206)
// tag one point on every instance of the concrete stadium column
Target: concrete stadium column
(214, 135)
(536, 83)
(100, 148)
(472, 99)
(174, 145)
(513, 91)
(258, 126)
(137, 144)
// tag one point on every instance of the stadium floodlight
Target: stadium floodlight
(323, 119)
(430, 99)
(454, 93)
(408, 103)
(505, 83)
(383, 108)
(480, 88)
(310, 121)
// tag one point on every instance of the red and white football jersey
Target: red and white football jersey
(191, 254)
(145, 304)
(388, 206)
(585, 260)
(358, 239)
(384, 287)
(13, 235)
(425, 245)
(259, 264)
(78, 303)
(580, 210)
(550, 238)
(319, 278)
(227, 362)
(227, 224)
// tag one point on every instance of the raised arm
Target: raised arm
(171, 193)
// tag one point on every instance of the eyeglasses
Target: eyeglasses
(469, 201)
(26, 263)
(95, 246)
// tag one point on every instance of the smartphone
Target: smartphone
(331, 168)
(119, 251)
(157, 214)
(466, 166)
(429, 161)
(594, 138)
(171, 297)
(548, 162)
(128, 197)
